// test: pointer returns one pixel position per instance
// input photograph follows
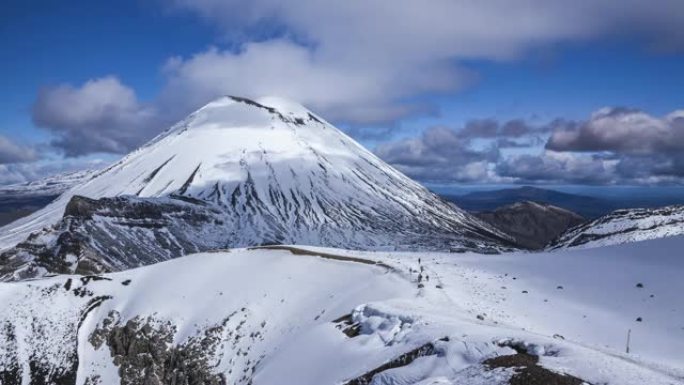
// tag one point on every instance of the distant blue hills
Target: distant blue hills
(584, 205)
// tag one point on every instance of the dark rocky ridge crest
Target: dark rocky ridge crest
(111, 234)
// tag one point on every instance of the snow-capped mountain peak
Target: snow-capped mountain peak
(239, 172)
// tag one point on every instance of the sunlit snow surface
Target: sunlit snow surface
(282, 304)
(623, 226)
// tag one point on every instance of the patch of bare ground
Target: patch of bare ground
(347, 325)
(528, 371)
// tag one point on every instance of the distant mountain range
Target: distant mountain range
(587, 206)
(21, 199)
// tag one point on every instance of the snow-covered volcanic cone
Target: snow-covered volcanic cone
(238, 172)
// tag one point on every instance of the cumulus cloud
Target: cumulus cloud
(440, 155)
(359, 62)
(469, 153)
(621, 130)
(102, 115)
(340, 91)
(508, 130)
(367, 61)
(551, 167)
(613, 146)
(644, 148)
(11, 152)
(558, 168)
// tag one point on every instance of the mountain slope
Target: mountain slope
(262, 172)
(532, 225)
(325, 316)
(623, 226)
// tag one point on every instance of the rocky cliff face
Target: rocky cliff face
(112, 234)
(532, 225)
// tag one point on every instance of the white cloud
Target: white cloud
(368, 61)
(341, 92)
(621, 130)
(559, 168)
(440, 154)
(613, 146)
(364, 62)
(102, 115)
(11, 152)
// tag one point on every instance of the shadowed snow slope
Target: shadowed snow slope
(259, 172)
(271, 317)
(623, 226)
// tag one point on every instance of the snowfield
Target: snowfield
(328, 316)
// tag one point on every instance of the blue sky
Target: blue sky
(369, 68)
(48, 42)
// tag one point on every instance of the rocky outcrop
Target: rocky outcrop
(144, 352)
(112, 234)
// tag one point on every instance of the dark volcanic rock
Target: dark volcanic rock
(112, 234)
(533, 225)
(528, 371)
(143, 350)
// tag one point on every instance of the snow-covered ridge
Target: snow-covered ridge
(325, 316)
(265, 171)
(623, 226)
(51, 185)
